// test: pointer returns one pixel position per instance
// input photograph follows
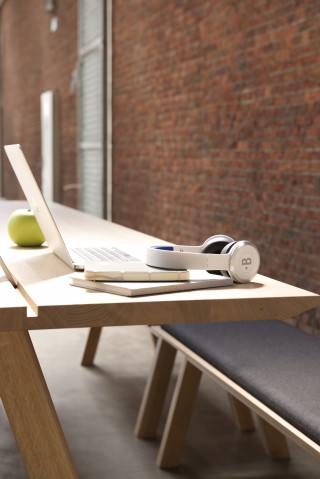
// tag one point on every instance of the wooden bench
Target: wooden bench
(267, 367)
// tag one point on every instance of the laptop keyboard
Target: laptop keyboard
(110, 255)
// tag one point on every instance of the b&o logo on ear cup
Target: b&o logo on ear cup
(244, 261)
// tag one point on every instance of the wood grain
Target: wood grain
(44, 279)
(155, 391)
(179, 416)
(30, 410)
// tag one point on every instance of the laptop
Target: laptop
(76, 258)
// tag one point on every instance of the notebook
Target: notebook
(133, 272)
(76, 258)
(198, 280)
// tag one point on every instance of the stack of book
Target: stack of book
(139, 279)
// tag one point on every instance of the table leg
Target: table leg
(91, 347)
(30, 410)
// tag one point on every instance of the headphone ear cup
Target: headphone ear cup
(221, 244)
(227, 250)
(244, 261)
(215, 245)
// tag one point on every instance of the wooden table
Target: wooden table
(45, 300)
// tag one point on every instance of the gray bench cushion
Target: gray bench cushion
(276, 363)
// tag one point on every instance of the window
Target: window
(91, 138)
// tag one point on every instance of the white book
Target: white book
(198, 280)
(134, 271)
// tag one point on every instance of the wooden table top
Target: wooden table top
(44, 281)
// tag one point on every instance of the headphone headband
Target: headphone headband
(238, 259)
(173, 257)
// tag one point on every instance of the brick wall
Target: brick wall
(34, 60)
(217, 125)
(216, 114)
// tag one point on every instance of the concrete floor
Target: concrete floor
(98, 407)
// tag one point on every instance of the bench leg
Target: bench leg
(155, 391)
(274, 441)
(179, 416)
(30, 410)
(242, 414)
(154, 338)
(91, 346)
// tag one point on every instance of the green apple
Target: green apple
(24, 229)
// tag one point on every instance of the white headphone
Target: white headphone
(219, 254)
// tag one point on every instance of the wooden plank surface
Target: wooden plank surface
(29, 408)
(45, 281)
(13, 308)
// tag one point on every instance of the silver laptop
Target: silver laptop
(76, 258)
